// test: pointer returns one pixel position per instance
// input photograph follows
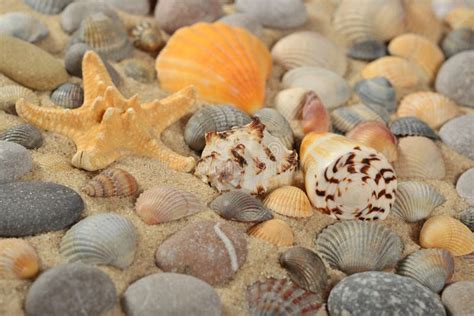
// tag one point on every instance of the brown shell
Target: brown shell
(289, 201)
(147, 36)
(111, 182)
(18, 259)
(274, 231)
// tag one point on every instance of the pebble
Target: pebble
(382, 293)
(22, 26)
(15, 161)
(171, 294)
(30, 208)
(74, 13)
(245, 21)
(29, 65)
(210, 251)
(71, 289)
(138, 7)
(458, 298)
(458, 134)
(465, 186)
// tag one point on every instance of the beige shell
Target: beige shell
(274, 231)
(12, 93)
(448, 233)
(461, 17)
(289, 201)
(420, 19)
(162, 204)
(419, 157)
(112, 182)
(309, 49)
(18, 259)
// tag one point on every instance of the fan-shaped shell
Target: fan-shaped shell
(227, 65)
(274, 231)
(26, 135)
(416, 200)
(412, 126)
(48, 6)
(305, 268)
(103, 239)
(420, 19)
(309, 49)
(277, 125)
(367, 50)
(354, 246)
(18, 259)
(164, 204)
(147, 36)
(377, 91)
(346, 118)
(419, 157)
(22, 26)
(330, 87)
(447, 233)
(457, 41)
(240, 206)
(461, 17)
(467, 218)
(11, 93)
(68, 95)
(112, 182)
(431, 267)
(289, 201)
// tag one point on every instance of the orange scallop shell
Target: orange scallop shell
(226, 65)
(274, 231)
(18, 259)
(420, 19)
(289, 201)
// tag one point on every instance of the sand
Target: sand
(51, 163)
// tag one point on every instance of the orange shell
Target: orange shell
(225, 64)
(461, 17)
(420, 19)
(18, 259)
(289, 201)
(274, 231)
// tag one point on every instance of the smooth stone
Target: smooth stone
(15, 161)
(22, 26)
(245, 21)
(29, 65)
(208, 250)
(458, 298)
(71, 289)
(171, 294)
(382, 293)
(30, 208)
(138, 7)
(458, 134)
(74, 13)
(465, 186)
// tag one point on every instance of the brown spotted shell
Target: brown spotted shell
(18, 259)
(112, 182)
(274, 231)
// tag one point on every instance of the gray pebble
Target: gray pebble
(25, 135)
(245, 21)
(458, 134)
(22, 26)
(458, 298)
(465, 186)
(137, 7)
(15, 161)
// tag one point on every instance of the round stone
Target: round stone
(71, 289)
(458, 134)
(382, 293)
(465, 186)
(30, 208)
(15, 161)
(210, 251)
(171, 294)
(458, 298)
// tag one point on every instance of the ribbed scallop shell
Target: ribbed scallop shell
(277, 125)
(289, 201)
(354, 246)
(306, 269)
(433, 108)
(458, 41)
(240, 206)
(274, 231)
(48, 6)
(346, 118)
(467, 218)
(26, 135)
(412, 126)
(419, 157)
(227, 65)
(111, 182)
(376, 135)
(309, 49)
(68, 95)
(147, 37)
(447, 233)
(281, 297)
(377, 91)
(416, 200)
(367, 50)
(18, 259)
(330, 87)
(212, 118)
(12, 93)
(164, 204)
(431, 267)
(461, 17)
(103, 239)
(420, 19)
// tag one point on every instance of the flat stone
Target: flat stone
(459, 297)
(171, 294)
(29, 65)
(208, 250)
(382, 293)
(465, 186)
(458, 134)
(71, 289)
(15, 161)
(30, 208)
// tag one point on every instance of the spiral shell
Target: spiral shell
(68, 95)
(240, 206)
(467, 218)
(103, 239)
(289, 201)
(412, 126)
(377, 91)
(147, 36)
(112, 182)
(367, 50)
(277, 125)
(48, 6)
(274, 231)
(12, 93)
(26, 135)
(347, 118)
(359, 246)
(18, 259)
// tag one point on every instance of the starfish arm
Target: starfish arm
(95, 76)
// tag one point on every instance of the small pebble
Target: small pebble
(245, 21)
(465, 186)
(139, 70)
(71, 289)
(171, 294)
(15, 161)
(74, 13)
(25, 135)
(22, 26)
(458, 298)
(458, 134)
(30, 208)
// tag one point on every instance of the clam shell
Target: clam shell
(330, 87)
(139, 70)
(416, 200)
(367, 50)
(457, 298)
(212, 118)
(164, 204)
(147, 37)
(419, 157)
(274, 231)
(26, 135)
(12, 93)
(467, 218)
(68, 95)
(457, 41)
(431, 267)
(346, 118)
(103, 239)
(277, 125)
(447, 233)
(240, 206)
(465, 187)
(305, 268)
(377, 91)
(245, 21)
(48, 6)
(22, 26)
(74, 14)
(420, 19)
(461, 17)
(412, 126)
(309, 49)
(18, 259)
(281, 297)
(354, 246)
(289, 201)
(111, 182)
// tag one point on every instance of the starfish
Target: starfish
(108, 126)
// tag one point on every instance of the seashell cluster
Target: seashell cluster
(274, 231)
(412, 126)
(111, 182)
(277, 125)
(377, 91)
(68, 95)
(147, 37)
(241, 207)
(18, 259)
(289, 201)
(9, 94)
(48, 6)
(22, 26)
(347, 118)
(26, 135)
